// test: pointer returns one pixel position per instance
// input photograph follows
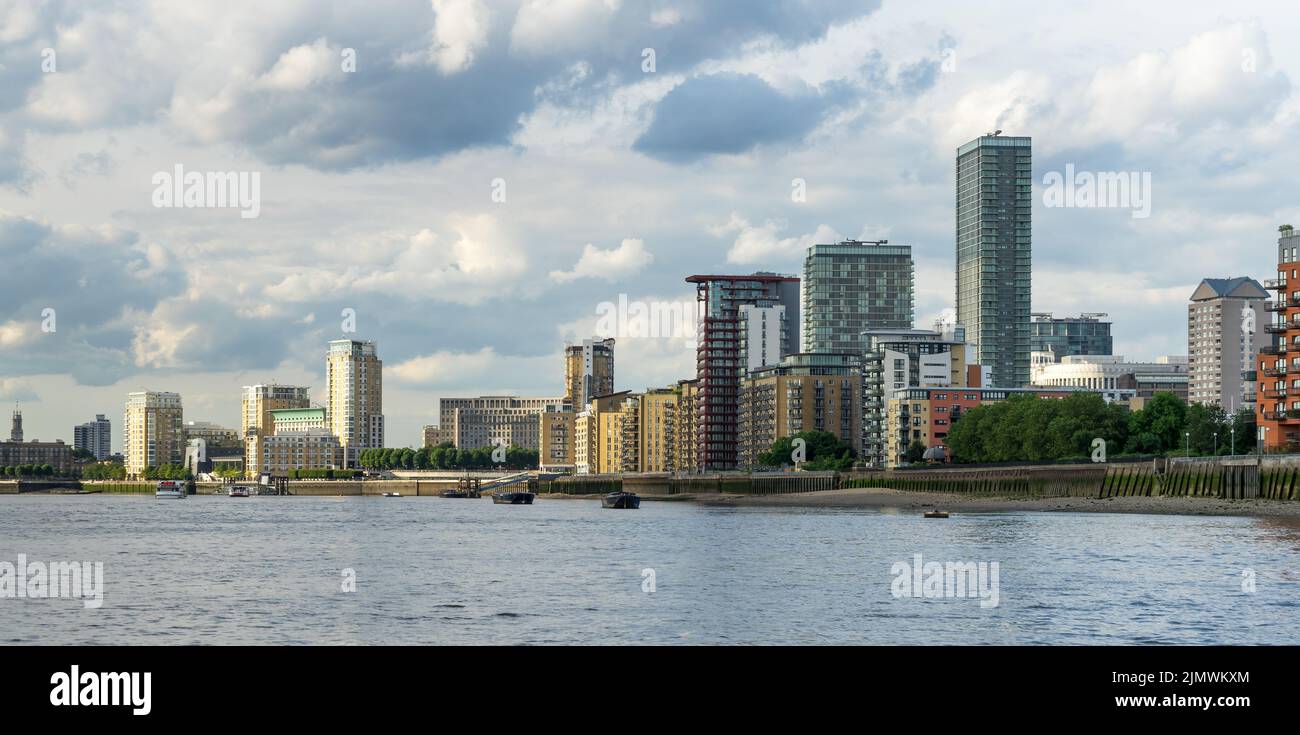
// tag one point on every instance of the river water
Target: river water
(295, 570)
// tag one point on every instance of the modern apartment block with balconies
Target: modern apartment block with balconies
(733, 340)
(1277, 408)
(906, 358)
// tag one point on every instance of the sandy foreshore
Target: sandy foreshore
(955, 503)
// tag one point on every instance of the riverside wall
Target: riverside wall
(1236, 478)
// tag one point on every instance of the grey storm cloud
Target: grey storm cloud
(727, 113)
(90, 281)
(389, 111)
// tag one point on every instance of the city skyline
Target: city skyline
(607, 189)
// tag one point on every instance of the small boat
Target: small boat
(467, 487)
(392, 495)
(621, 500)
(936, 514)
(516, 497)
(240, 491)
(460, 494)
(170, 489)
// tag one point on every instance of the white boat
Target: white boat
(240, 491)
(170, 489)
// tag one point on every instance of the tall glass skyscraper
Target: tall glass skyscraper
(994, 198)
(851, 287)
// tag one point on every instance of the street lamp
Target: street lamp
(1188, 434)
(1234, 439)
(1216, 443)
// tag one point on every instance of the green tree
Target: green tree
(1163, 417)
(824, 451)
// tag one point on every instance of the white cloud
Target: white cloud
(665, 17)
(302, 66)
(756, 244)
(1225, 74)
(14, 333)
(558, 26)
(610, 265)
(460, 31)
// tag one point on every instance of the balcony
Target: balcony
(1275, 284)
(1286, 416)
(1274, 393)
(1281, 328)
(1275, 372)
(1273, 350)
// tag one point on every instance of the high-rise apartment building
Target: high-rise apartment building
(257, 417)
(1085, 334)
(354, 375)
(994, 199)
(730, 343)
(95, 437)
(152, 433)
(852, 286)
(1277, 410)
(811, 391)
(1225, 332)
(588, 370)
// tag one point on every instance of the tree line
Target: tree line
(446, 456)
(1026, 428)
(28, 470)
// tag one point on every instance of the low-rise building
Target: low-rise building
(557, 436)
(434, 436)
(588, 441)
(927, 414)
(298, 450)
(905, 358)
(56, 454)
(486, 421)
(637, 432)
(1110, 372)
(289, 420)
(217, 439)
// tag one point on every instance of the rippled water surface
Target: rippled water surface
(216, 570)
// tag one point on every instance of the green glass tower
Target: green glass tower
(853, 286)
(994, 199)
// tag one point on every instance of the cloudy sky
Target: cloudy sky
(474, 177)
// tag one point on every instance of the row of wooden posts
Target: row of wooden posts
(1239, 479)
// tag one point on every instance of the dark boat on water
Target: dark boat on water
(629, 501)
(516, 497)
